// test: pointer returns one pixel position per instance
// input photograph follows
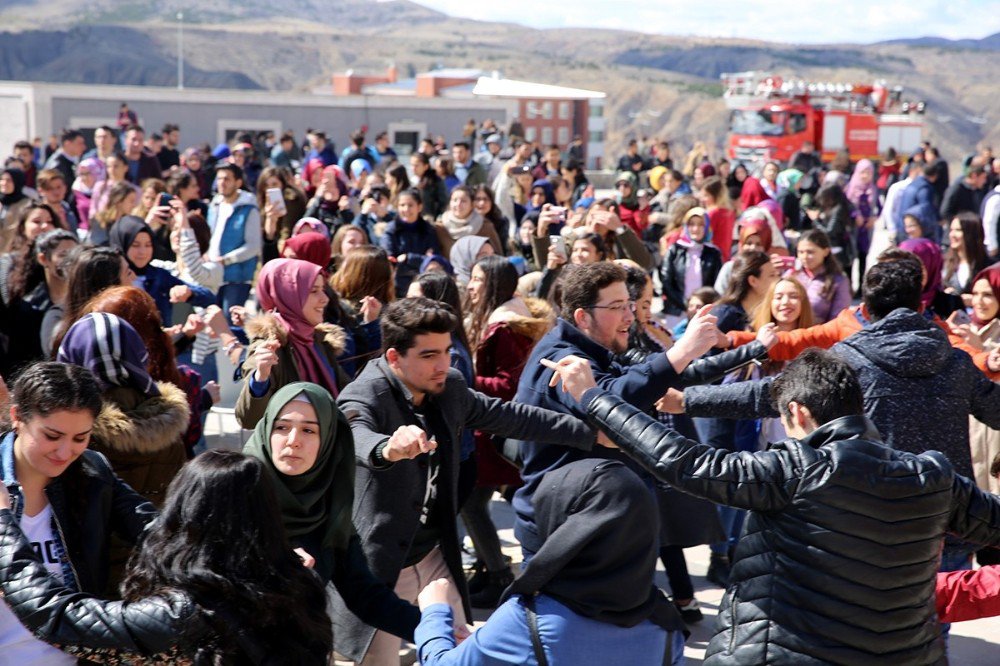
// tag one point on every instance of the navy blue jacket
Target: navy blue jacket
(413, 239)
(640, 385)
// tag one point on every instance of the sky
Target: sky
(814, 21)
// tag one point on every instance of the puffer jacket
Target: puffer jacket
(838, 560)
(918, 390)
(89, 504)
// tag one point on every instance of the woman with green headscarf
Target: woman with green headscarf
(307, 449)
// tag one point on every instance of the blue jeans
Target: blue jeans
(233, 293)
(954, 558)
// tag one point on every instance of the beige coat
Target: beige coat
(984, 441)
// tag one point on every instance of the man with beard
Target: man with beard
(596, 316)
(407, 410)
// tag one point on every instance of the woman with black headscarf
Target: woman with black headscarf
(135, 240)
(12, 202)
(587, 595)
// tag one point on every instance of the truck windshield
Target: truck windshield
(762, 122)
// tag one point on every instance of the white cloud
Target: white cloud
(819, 21)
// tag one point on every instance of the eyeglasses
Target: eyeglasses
(618, 308)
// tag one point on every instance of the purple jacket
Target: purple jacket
(825, 309)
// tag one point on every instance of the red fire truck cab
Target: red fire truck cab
(770, 118)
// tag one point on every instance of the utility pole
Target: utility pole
(180, 50)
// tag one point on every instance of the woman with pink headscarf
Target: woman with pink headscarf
(289, 342)
(863, 195)
(934, 300)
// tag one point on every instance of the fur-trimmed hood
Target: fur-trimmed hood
(530, 317)
(266, 327)
(151, 426)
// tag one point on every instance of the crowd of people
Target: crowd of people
(413, 337)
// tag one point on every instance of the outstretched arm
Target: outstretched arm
(745, 480)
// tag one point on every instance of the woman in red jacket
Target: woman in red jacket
(502, 328)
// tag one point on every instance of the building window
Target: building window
(547, 110)
(596, 111)
(530, 133)
(546, 136)
(564, 110)
(596, 136)
(563, 136)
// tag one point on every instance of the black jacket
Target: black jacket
(918, 389)
(838, 560)
(58, 615)
(89, 504)
(673, 270)
(388, 500)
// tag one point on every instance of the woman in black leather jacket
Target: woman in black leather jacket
(215, 581)
(67, 498)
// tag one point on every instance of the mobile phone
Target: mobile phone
(961, 318)
(562, 213)
(165, 199)
(558, 244)
(277, 199)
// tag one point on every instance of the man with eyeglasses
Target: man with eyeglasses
(596, 315)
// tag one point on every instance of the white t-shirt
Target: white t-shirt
(17, 645)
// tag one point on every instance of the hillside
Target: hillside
(657, 85)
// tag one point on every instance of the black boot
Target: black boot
(718, 570)
(489, 594)
(476, 577)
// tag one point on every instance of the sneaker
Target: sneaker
(718, 570)
(489, 595)
(690, 612)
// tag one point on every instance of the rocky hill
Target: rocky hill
(657, 85)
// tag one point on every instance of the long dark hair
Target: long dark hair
(499, 287)
(495, 215)
(91, 271)
(745, 266)
(831, 265)
(442, 288)
(975, 248)
(220, 539)
(29, 273)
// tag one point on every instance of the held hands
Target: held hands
(993, 360)
(308, 561)
(672, 402)
(407, 443)
(700, 336)
(436, 592)
(213, 390)
(238, 314)
(180, 293)
(575, 374)
(768, 335)
(193, 325)
(264, 358)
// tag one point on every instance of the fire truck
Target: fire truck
(771, 118)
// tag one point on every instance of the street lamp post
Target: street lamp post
(180, 50)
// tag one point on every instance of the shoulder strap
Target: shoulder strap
(536, 639)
